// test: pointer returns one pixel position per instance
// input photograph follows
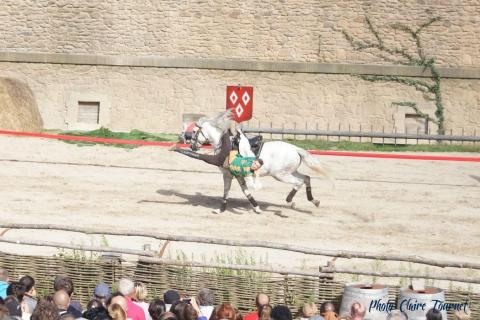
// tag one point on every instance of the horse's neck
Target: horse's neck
(215, 137)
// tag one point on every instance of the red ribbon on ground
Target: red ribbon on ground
(169, 144)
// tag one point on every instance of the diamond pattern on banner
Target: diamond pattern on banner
(245, 98)
(233, 97)
(239, 110)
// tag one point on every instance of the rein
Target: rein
(194, 143)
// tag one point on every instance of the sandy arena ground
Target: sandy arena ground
(427, 208)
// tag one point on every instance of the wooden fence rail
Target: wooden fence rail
(252, 243)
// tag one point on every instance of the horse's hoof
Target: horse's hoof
(316, 203)
(257, 210)
(293, 205)
(217, 211)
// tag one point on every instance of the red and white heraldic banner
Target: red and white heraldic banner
(240, 99)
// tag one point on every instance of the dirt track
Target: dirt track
(429, 208)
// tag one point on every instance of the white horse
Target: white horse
(281, 160)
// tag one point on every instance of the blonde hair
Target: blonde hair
(309, 309)
(116, 312)
(140, 292)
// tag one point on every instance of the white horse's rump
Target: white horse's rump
(281, 160)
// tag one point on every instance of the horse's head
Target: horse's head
(210, 130)
(198, 138)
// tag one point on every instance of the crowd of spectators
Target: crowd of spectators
(18, 300)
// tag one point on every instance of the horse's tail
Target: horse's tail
(314, 164)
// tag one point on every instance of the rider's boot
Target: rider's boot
(189, 153)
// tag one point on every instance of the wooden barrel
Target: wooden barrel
(373, 296)
(416, 303)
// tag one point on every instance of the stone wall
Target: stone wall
(154, 98)
(286, 30)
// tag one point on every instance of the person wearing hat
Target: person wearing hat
(102, 293)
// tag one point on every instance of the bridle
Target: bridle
(194, 145)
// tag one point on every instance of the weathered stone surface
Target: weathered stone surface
(154, 99)
(266, 30)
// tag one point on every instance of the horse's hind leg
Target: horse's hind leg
(296, 179)
(309, 190)
(227, 183)
(249, 196)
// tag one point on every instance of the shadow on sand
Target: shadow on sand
(235, 205)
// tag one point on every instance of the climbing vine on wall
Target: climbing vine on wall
(402, 56)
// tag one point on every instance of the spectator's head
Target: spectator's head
(4, 275)
(95, 310)
(206, 297)
(29, 284)
(102, 292)
(177, 308)
(224, 311)
(140, 292)
(309, 309)
(189, 313)
(397, 315)
(281, 312)
(261, 299)
(119, 299)
(126, 287)
(63, 282)
(264, 312)
(156, 309)
(327, 307)
(117, 312)
(171, 296)
(17, 290)
(45, 310)
(61, 299)
(168, 316)
(357, 311)
(94, 304)
(13, 306)
(433, 314)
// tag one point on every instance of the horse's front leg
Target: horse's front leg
(249, 196)
(227, 183)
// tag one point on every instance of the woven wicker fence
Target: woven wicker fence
(237, 287)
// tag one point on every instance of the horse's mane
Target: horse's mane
(221, 121)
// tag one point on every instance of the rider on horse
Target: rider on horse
(228, 158)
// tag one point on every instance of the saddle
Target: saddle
(256, 144)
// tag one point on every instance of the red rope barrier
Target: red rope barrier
(394, 156)
(169, 144)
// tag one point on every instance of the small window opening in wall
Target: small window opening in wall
(415, 123)
(88, 112)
